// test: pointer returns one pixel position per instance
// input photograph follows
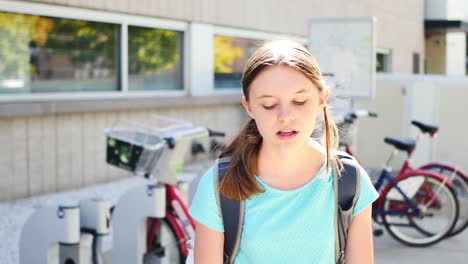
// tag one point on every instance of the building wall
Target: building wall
(445, 9)
(290, 17)
(456, 9)
(51, 153)
(446, 53)
(446, 48)
(370, 132)
(64, 151)
(436, 9)
(56, 145)
(451, 142)
(399, 99)
(436, 53)
(455, 53)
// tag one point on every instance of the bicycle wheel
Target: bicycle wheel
(460, 185)
(165, 247)
(438, 207)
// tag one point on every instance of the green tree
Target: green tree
(152, 50)
(225, 54)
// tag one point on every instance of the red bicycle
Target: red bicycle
(451, 172)
(417, 207)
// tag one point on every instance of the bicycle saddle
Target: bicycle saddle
(407, 145)
(425, 127)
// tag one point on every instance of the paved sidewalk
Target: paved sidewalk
(449, 251)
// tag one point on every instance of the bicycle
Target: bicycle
(409, 201)
(454, 174)
(158, 151)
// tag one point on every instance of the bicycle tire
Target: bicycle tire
(165, 247)
(415, 230)
(460, 185)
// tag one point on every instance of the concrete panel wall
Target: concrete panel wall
(60, 152)
(456, 53)
(389, 104)
(452, 142)
(399, 99)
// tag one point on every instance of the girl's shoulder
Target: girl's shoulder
(207, 179)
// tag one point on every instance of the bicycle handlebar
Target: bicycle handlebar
(214, 133)
(362, 113)
(194, 133)
(355, 114)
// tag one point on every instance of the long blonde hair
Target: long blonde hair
(239, 181)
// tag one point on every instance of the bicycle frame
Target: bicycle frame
(178, 217)
(442, 165)
(385, 175)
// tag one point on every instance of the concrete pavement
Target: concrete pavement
(449, 251)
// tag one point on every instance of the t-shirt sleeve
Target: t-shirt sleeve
(367, 192)
(204, 208)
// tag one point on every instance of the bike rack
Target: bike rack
(129, 221)
(47, 227)
(154, 148)
(95, 221)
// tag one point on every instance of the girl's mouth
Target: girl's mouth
(287, 134)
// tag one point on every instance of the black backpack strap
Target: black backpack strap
(232, 213)
(346, 184)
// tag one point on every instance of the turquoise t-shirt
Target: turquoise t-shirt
(293, 226)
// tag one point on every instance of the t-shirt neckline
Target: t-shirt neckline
(318, 176)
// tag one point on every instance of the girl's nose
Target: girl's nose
(285, 114)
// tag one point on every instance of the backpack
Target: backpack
(347, 185)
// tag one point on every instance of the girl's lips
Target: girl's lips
(287, 135)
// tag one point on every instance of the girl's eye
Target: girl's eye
(269, 107)
(300, 103)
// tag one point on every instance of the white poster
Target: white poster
(345, 51)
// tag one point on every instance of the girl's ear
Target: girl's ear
(246, 106)
(323, 98)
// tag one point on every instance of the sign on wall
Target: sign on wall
(345, 51)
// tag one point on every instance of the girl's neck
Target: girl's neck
(289, 161)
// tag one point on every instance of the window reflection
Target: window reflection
(383, 62)
(46, 54)
(154, 59)
(230, 56)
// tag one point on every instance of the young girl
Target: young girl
(284, 176)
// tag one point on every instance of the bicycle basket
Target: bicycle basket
(138, 146)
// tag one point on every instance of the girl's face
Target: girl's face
(284, 104)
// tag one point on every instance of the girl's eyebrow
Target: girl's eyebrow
(265, 96)
(302, 91)
(271, 96)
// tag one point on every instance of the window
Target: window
(416, 63)
(46, 54)
(154, 59)
(230, 56)
(383, 61)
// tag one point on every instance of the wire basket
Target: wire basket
(154, 146)
(137, 145)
